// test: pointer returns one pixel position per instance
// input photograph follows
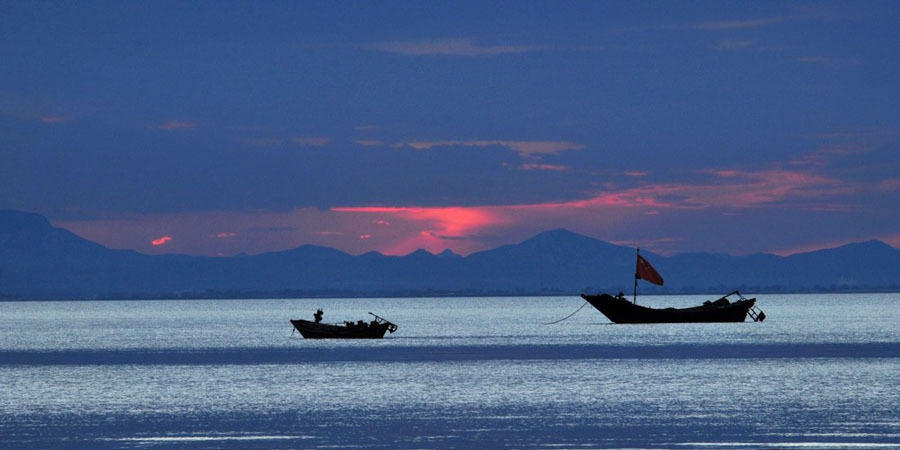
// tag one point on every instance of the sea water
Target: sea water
(823, 371)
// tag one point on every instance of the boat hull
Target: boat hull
(314, 330)
(620, 310)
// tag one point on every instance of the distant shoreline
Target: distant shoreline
(431, 295)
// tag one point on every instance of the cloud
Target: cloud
(53, 119)
(890, 185)
(893, 240)
(827, 154)
(727, 25)
(825, 60)
(551, 167)
(450, 46)
(177, 125)
(369, 143)
(225, 235)
(281, 229)
(523, 148)
(317, 141)
(161, 241)
(274, 141)
(730, 45)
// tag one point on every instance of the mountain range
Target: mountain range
(38, 260)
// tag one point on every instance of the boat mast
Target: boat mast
(636, 277)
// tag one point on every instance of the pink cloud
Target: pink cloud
(746, 189)
(369, 143)
(827, 154)
(524, 148)
(53, 119)
(893, 240)
(551, 167)
(890, 185)
(161, 241)
(365, 236)
(318, 141)
(224, 235)
(178, 125)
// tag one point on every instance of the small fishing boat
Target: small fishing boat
(361, 329)
(619, 310)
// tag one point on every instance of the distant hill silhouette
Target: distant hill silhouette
(40, 261)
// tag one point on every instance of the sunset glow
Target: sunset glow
(727, 127)
(161, 241)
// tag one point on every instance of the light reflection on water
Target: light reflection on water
(459, 373)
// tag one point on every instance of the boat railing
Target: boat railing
(756, 314)
(391, 327)
(738, 293)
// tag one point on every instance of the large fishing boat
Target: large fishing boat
(619, 310)
(361, 329)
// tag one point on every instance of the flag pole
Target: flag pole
(636, 278)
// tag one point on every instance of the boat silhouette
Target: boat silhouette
(619, 310)
(361, 329)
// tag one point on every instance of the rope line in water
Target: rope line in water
(570, 315)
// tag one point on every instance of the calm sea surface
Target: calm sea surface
(823, 371)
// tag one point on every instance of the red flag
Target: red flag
(645, 271)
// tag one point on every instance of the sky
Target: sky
(220, 128)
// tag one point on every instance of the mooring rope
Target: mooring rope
(570, 315)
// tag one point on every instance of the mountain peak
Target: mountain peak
(558, 232)
(873, 245)
(16, 221)
(558, 235)
(564, 237)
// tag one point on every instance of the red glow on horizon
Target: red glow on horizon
(432, 227)
(611, 212)
(463, 228)
(161, 241)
